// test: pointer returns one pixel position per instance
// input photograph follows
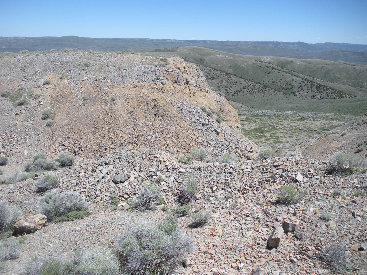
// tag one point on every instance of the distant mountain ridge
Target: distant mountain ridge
(353, 53)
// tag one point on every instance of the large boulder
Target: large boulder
(29, 224)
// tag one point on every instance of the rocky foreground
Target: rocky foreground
(127, 120)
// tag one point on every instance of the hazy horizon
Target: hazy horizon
(164, 38)
(310, 21)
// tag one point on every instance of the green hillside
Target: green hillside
(282, 102)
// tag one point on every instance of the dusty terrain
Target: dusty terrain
(125, 113)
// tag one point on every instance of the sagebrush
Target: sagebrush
(147, 249)
(9, 249)
(97, 261)
(46, 183)
(41, 163)
(8, 216)
(199, 219)
(56, 203)
(148, 198)
(334, 255)
(65, 159)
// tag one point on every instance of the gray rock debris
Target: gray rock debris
(120, 178)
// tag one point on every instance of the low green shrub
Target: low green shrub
(185, 159)
(169, 225)
(46, 183)
(40, 163)
(56, 203)
(188, 191)
(288, 194)
(21, 102)
(7, 181)
(199, 219)
(325, 216)
(47, 114)
(147, 249)
(65, 159)
(228, 158)
(72, 216)
(181, 211)
(22, 176)
(199, 154)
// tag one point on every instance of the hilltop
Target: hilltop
(132, 120)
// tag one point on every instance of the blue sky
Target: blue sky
(309, 21)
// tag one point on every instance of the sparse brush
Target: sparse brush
(185, 159)
(335, 256)
(9, 249)
(147, 249)
(265, 154)
(199, 154)
(47, 114)
(52, 265)
(97, 262)
(345, 164)
(22, 176)
(56, 204)
(8, 216)
(7, 181)
(325, 216)
(46, 183)
(288, 194)
(5, 215)
(3, 160)
(228, 158)
(181, 211)
(72, 216)
(148, 198)
(199, 219)
(65, 159)
(169, 225)
(40, 163)
(189, 191)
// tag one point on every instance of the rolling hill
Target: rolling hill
(353, 53)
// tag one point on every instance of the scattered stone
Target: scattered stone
(275, 237)
(299, 177)
(293, 260)
(29, 224)
(331, 225)
(289, 227)
(299, 236)
(258, 271)
(120, 178)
